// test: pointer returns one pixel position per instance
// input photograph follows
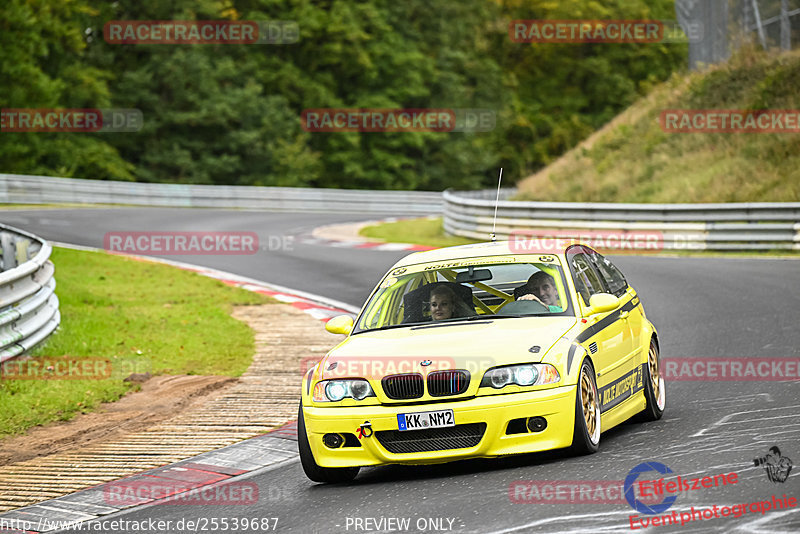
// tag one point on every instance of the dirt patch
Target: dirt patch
(160, 398)
(173, 418)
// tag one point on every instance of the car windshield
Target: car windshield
(449, 292)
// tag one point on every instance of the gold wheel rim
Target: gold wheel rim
(655, 374)
(589, 402)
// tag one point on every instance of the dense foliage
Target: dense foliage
(230, 114)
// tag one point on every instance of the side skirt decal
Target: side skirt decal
(622, 388)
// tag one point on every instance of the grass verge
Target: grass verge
(428, 232)
(140, 316)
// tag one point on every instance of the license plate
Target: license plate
(423, 420)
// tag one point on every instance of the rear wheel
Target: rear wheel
(586, 434)
(655, 391)
(310, 467)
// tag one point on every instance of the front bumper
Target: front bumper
(557, 405)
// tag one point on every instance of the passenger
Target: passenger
(541, 287)
(445, 304)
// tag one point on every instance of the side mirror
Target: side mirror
(341, 324)
(602, 302)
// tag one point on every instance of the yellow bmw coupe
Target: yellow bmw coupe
(481, 351)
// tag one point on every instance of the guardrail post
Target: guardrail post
(9, 251)
(22, 250)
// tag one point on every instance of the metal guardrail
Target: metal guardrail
(15, 188)
(28, 303)
(733, 226)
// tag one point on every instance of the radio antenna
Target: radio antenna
(496, 201)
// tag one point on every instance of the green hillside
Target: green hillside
(632, 159)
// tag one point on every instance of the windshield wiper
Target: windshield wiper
(389, 327)
(459, 320)
(492, 317)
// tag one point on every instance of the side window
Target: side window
(586, 280)
(611, 275)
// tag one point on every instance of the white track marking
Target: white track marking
(724, 420)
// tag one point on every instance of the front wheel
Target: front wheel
(655, 391)
(586, 434)
(312, 470)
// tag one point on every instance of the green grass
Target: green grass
(428, 232)
(142, 317)
(633, 160)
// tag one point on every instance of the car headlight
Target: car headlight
(531, 374)
(336, 390)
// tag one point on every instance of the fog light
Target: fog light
(332, 441)
(537, 424)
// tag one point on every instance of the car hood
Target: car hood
(475, 346)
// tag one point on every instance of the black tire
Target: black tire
(655, 391)
(329, 475)
(586, 434)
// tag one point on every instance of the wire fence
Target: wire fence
(721, 26)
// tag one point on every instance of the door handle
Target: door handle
(623, 315)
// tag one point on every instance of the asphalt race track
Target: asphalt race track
(703, 307)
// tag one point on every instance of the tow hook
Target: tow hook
(365, 430)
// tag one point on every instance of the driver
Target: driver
(541, 287)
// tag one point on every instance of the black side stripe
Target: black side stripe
(607, 321)
(570, 355)
(308, 380)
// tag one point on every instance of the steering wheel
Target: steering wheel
(522, 307)
(507, 301)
